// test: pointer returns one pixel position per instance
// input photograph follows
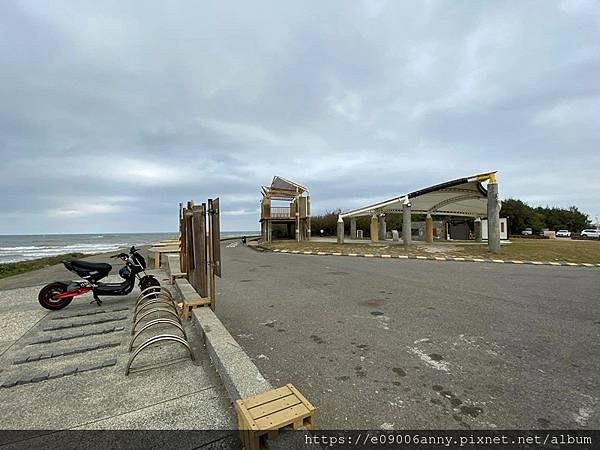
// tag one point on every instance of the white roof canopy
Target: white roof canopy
(461, 197)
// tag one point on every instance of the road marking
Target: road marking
(233, 244)
(439, 365)
(437, 258)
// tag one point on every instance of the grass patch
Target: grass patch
(555, 250)
(10, 269)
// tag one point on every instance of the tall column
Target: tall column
(428, 229)
(406, 224)
(340, 230)
(493, 213)
(269, 231)
(478, 229)
(382, 227)
(353, 228)
(374, 228)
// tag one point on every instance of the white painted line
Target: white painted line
(421, 257)
(336, 254)
(402, 257)
(320, 253)
(352, 254)
(459, 259)
(368, 255)
(501, 261)
(440, 258)
(386, 256)
(554, 263)
(517, 262)
(307, 253)
(439, 365)
(478, 260)
(537, 263)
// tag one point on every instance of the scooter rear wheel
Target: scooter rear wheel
(47, 295)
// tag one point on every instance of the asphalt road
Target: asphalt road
(420, 344)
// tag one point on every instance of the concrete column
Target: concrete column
(478, 234)
(374, 228)
(382, 227)
(352, 228)
(429, 229)
(340, 230)
(269, 231)
(406, 224)
(493, 213)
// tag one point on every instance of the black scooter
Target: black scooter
(59, 294)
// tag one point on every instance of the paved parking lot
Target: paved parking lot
(420, 344)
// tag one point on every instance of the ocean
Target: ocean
(14, 248)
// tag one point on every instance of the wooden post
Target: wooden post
(211, 268)
(182, 240)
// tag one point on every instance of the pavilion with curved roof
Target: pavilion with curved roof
(466, 197)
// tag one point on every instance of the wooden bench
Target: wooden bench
(174, 268)
(158, 251)
(269, 412)
(190, 298)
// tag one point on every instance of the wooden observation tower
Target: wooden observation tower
(294, 212)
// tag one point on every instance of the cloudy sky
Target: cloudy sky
(111, 112)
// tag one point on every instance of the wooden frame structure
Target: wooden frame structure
(296, 217)
(200, 255)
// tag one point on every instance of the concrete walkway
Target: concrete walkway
(64, 370)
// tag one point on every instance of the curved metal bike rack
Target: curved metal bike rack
(153, 323)
(152, 296)
(147, 301)
(154, 340)
(154, 303)
(158, 310)
(154, 290)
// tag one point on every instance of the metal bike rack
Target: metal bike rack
(158, 310)
(154, 290)
(149, 301)
(153, 323)
(154, 340)
(155, 304)
(151, 296)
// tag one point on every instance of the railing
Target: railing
(282, 212)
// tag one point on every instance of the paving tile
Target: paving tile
(40, 377)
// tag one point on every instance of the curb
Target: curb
(434, 258)
(241, 377)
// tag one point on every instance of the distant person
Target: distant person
(322, 233)
(244, 240)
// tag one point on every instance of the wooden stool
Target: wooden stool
(189, 304)
(269, 412)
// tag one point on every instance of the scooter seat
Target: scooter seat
(89, 266)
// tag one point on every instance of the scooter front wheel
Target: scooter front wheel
(47, 296)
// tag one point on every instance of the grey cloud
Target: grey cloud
(134, 107)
